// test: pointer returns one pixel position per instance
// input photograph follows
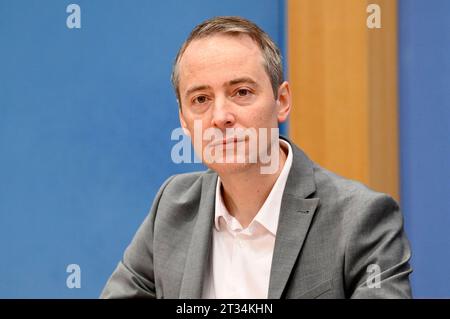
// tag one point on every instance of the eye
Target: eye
(200, 99)
(243, 92)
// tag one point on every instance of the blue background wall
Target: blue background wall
(424, 61)
(85, 122)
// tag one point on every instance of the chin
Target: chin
(230, 168)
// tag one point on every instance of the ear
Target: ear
(183, 123)
(284, 102)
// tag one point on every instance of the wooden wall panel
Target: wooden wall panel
(344, 82)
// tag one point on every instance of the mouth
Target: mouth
(227, 141)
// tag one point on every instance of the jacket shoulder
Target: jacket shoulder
(182, 185)
(343, 190)
(181, 193)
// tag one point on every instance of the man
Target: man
(298, 231)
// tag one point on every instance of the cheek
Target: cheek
(193, 120)
(265, 116)
(196, 127)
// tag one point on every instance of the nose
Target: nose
(223, 116)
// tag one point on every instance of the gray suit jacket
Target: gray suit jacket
(330, 231)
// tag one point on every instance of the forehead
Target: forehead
(220, 55)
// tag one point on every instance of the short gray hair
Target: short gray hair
(235, 26)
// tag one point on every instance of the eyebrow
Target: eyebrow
(196, 88)
(232, 82)
(243, 80)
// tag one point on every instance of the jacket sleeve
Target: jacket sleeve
(134, 275)
(377, 252)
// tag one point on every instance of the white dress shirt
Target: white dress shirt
(241, 258)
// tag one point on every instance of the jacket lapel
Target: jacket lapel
(296, 213)
(292, 230)
(199, 248)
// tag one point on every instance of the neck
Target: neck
(245, 192)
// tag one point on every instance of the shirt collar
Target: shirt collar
(268, 214)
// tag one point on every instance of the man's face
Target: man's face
(223, 84)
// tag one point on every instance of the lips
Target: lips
(228, 140)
